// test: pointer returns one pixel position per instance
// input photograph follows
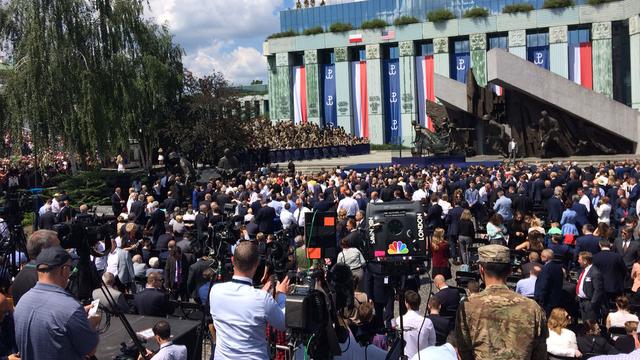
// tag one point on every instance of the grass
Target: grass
(405, 20)
(373, 24)
(340, 27)
(440, 15)
(476, 12)
(517, 8)
(313, 31)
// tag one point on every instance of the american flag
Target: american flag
(388, 34)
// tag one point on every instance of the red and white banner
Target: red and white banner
(581, 65)
(355, 38)
(299, 95)
(426, 89)
(360, 98)
(498, 90)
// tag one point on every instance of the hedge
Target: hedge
(440, 15)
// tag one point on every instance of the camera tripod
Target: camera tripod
(13, 243)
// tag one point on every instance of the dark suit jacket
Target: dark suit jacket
(548, 291)
(47, 220)
(170, 272)
(613, 270)
(521, 203)
(195, 276)
(582, 215)
(586, 243)
(526, 268)
(116, 205)
(453, 220)
(631, 255)
(156, 221)
(442, 327)
(449, 299)
(152, 302)
(593, 287)
(434, 217)
(137, 209)
(264, 219)
(554, 209)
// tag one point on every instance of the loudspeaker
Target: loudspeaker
(396, 231)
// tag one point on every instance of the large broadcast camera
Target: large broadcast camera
(82, 234)
(277, 252)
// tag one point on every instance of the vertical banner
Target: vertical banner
(391, 79)
(360, 98)
(426, 91)
(299, 95)
(462, 63)
(539, 55)
(329, 97)
(581, 65)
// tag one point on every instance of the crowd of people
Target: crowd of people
(287, 135)
(563, 236)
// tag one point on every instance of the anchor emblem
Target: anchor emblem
(394, 97)
(538, 61)
(392, 70)
(394, 125)
(329, 74)
(461, 65)
(330, 100)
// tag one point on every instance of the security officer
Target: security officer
(499, 324)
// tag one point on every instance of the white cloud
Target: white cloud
(221, 34)
(240, 65)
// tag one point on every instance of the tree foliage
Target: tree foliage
(89, 76)
(210, 110)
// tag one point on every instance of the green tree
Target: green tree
(89, 76)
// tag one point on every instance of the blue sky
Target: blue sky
(225, 35)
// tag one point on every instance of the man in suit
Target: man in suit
(152, 301)
(555, 206)
(582, 213)
(441, 324)
(589, 289)
(434, 214)
(449, 299)
(170, 202)
(137, 210)
(548, 292)
(264, 217)
(176, 272)
(66, 212)
(587, 242)
(117, 203)
(353, 237)
(534, 260)
(156, 222)
(452, 220)
(612, 268)
(47, 220)
(195, 279)
(627, 247)
(163, 240)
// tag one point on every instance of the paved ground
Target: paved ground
(384, 156)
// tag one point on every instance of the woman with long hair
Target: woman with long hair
(496, 231)
(561, 341)
(466, 234)
(440, 254)
(517, 233)
(604, 211)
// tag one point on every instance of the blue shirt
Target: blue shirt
(171, 351)
(471, 196)
(527, 287)
(51, 324)
(240, 315)
(503, 207)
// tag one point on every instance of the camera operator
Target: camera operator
(28, 276)
(240, 312)
(168, 350)
(58, 327)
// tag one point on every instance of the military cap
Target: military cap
(494, 254)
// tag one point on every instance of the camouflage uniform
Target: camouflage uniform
(498, 324)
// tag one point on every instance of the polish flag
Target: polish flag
(355, 38)
(581, 65)
(429, 89)
(361, 105)
(299, 95)
(498, 90)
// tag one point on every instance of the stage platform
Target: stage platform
(384, 158)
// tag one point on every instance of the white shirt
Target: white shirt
(240, 315)
(563, 344)
(581, 293)
(350, 204)
(55, 205)
(301, 218)
(618, 318)
(446, 206)
(584, 200)
(444, 352)
(112, 263)
(412, 321)
(419, 195)
(604, 213)
(512, 145)
(101, 261)
(286, 218)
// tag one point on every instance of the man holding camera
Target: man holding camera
(241, 313)
(498, 323)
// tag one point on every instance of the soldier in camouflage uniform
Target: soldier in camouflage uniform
(498, 324)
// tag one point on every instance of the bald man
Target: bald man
(449, 299)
